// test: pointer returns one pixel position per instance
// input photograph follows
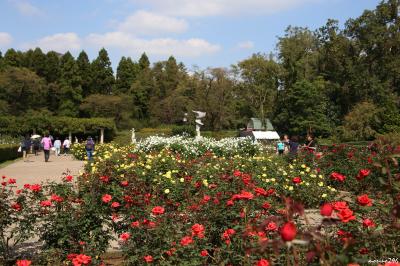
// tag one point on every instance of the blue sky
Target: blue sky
(204, 33)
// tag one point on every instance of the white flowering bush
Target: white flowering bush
(195, 147)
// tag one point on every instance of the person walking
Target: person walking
(66, 145)
(293, 146)
(47, 144)
(36, 146)
(25, 147)
(280, 146)
(89, 148)
(57, 146)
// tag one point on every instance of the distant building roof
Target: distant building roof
(255, 124)
(271, 135)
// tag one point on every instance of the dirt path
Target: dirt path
(35, 170)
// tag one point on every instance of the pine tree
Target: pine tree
(70, 87)
(103, 78)
(13, 58)
(85, 73)
(127, 72)
(52, 67)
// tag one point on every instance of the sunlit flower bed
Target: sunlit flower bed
(194, 203)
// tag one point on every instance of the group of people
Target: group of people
(46, 143)
(291, 146)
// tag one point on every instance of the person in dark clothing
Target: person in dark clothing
(36, 146)
(25, 147)
(311, 143)
(89, 148)
(293, 146)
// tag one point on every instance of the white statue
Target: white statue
(133, 138)
(199, 116)
(76, 139)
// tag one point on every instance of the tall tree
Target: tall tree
(70, 88)
(13, 58)
(127, 72)
(85, 72)
(103, 78)
(260, 76)
(142, 89)
(22, 90)
(52, 67)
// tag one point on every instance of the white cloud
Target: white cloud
(196, 8)
(158, 46)
(245, 45)
(5, 39)
(26, 8)
(147, 23)
(60, 42)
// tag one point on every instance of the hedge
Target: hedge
(8, 152)
(13, 125)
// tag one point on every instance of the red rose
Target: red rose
(368, 223)
(338, 177)
(12, 181)
(363, 251)
(16, 206)
(271, 226)
(198, 230)
(363, 173)
(346, 215)
(297, 180)
(262, 262)
(288, 231)
(35, 187)
(186, 240)
(204, 253)
(135, 224)
(115, 204)
(266, 205)
(237, 173)
(68, 178)
(230, 203)
(124, 183)
(363, 200)
(81, 259)
(45, 203)
(158, 210)
(326, 209)
(148, 259)
(56, 198)
(106, 198)
(104, 179)
(260, 191)
(125, 236)
(24, 262)
(339, 205)
(244, 195)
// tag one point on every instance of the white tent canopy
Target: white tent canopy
(268, 135)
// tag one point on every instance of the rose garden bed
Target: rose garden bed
(176, 201)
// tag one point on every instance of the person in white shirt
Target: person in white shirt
(57, 146)
(66, 145)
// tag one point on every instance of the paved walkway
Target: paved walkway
(35, 170)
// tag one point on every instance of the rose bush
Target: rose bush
(196, 204)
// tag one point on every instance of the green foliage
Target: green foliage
(103, 78)
(361, 123)
(8, 152)
(312, 83)
(61, 125)
(187, 130)
(302, 109)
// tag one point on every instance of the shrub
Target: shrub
(8, 152)
(187, 130)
